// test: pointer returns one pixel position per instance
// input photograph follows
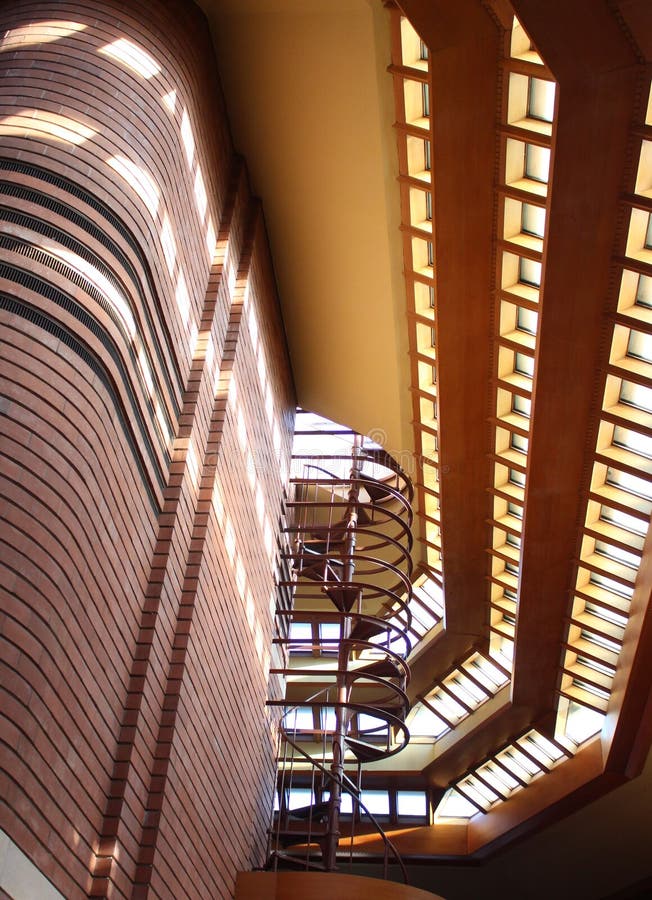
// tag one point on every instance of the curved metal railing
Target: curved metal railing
(299, 854)
(349, 544)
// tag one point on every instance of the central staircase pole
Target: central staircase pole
(342, 714)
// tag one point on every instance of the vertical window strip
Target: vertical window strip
(420, 262)
(612, 538)
(529, 102)
(500, 777)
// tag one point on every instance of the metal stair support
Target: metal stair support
(348, 549)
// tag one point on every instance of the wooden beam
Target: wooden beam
(464, 52)
(577, 39)
(596, 90)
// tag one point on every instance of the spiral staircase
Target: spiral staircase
(348, 584)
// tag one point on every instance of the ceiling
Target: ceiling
(311, 109)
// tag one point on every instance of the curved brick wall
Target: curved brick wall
(145, 436)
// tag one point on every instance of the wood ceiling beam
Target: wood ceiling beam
(464, 54)
(582, 222)
(579, 40)
(596, 87)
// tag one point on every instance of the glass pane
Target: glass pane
(514, 763)
(445, 704)
(524, 364)
(623, 520)
(301, 719)
(329, 631)
(644, 291)
(533, 219)
(596, 666)
(499, 777)
(425, 96)
(636, 395)
(480, 792)
(369, 723)
(640, 345)
(615, 587)
(301, 631)
(516, 760)
(607, 614)
(518, 442)
(300, 797)
(455, 806)
(527, 320)
(411, 803)
(469, 692)
(618, 554)
(582, 723)
(633, 440)
(629, 483)
(537, 162)
(426, 724)
(551, 750)
(600, 641)
(328, 718)
(422, 617)
(541, 99)
(377, 802)
(529, 271)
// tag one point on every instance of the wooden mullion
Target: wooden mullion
(460, 790)
(496, 664)
(526, 136)
(482, 687)
(489, 786)
(525, 67)
(447, 690)
(582, 702)
(409, 73)
(531, 757)
(436, 712)
(505, 768)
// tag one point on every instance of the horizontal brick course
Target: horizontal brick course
(136, 624)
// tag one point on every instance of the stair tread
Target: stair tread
(300, 832)
(382, 668)
(304, 812)
(343, 597)
(376, 489)
(363, 751)
(287, 837)
(298, 861)
(364, 630)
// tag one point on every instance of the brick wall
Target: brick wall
(147, 407)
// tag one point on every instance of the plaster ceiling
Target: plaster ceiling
(311, 109)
